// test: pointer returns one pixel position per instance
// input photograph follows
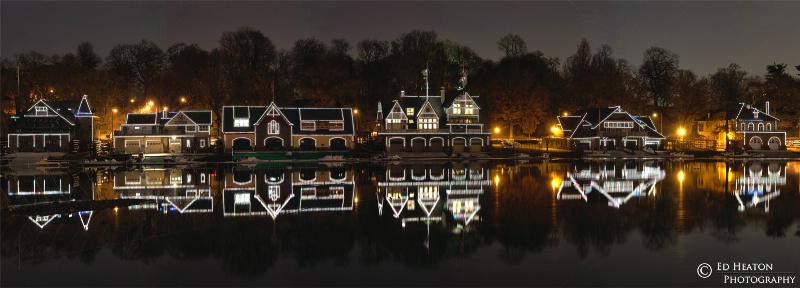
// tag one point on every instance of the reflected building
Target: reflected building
(759, 183)
(424, 192)
(31, 185)
(260, 192)
(614, 182)
(171, 189)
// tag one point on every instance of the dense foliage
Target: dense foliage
(523, 91)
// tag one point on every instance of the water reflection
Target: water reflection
(170, 189)
(259, 192)
(615, 182)
(266, 221)
(31, 185)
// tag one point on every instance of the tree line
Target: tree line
(522, 92)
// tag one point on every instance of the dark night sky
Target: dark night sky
(706, 35)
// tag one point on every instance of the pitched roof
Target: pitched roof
(330, 114)
(200, 117)
(586, 126)
(141, 118)
(252, 113)
(750, 113)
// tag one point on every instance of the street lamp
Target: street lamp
(355, 112)
(114, 110)
(661, 120)
(681, 132)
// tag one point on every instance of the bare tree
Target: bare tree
(656, 73)
(512, 45)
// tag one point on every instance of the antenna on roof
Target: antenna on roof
(425, 76)
(463, 80)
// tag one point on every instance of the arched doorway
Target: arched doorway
(338, 144)
(418, 144)
(459, 145)
(273, 143)
(755, 143)
(475, 144)
(437, 144)
(308, 144)
(241, 144)
(774, 143)
(396, 145)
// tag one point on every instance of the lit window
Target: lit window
(336, 126)
(273, 127)
(410, 111)
(240, 122)
(307, 125)
(241, 198)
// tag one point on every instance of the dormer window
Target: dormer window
(755, 114)
(240, 122)
(41, 110)
(410, 111)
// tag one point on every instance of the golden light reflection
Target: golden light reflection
(496, 180)
(681, 176)
(556, 182)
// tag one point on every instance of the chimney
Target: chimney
(767, 108)
(402, 93)
(442, 98)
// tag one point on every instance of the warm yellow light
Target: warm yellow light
(566, 114)
(681, 177)
(183, 99)
(355, 111)
(496, 129)
(496, 179)
(51, 90)
(165, 108)
(681, 132)
(555, 182)
(150, 103)
(131, 100)
(355, 200)
(114, 110)
(655, 114)
(554, 129)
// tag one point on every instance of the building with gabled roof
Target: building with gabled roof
(271, 128)
(164, 132)
(427, 123)
(53, 126)
(610, 128)
(759, 129)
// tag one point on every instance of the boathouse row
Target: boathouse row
(164, 132)
(756, 129)
(432, 123)
(610, 129)
(270, 128)
(53, 126)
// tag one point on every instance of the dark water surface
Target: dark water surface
(439, 224)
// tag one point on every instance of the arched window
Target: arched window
(760, 126)
(750, 127)
(769, 126)
(273, 127)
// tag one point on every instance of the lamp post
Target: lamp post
(660, 120)
(358, 131)
(114, 110)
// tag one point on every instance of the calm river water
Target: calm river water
(406, 224)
